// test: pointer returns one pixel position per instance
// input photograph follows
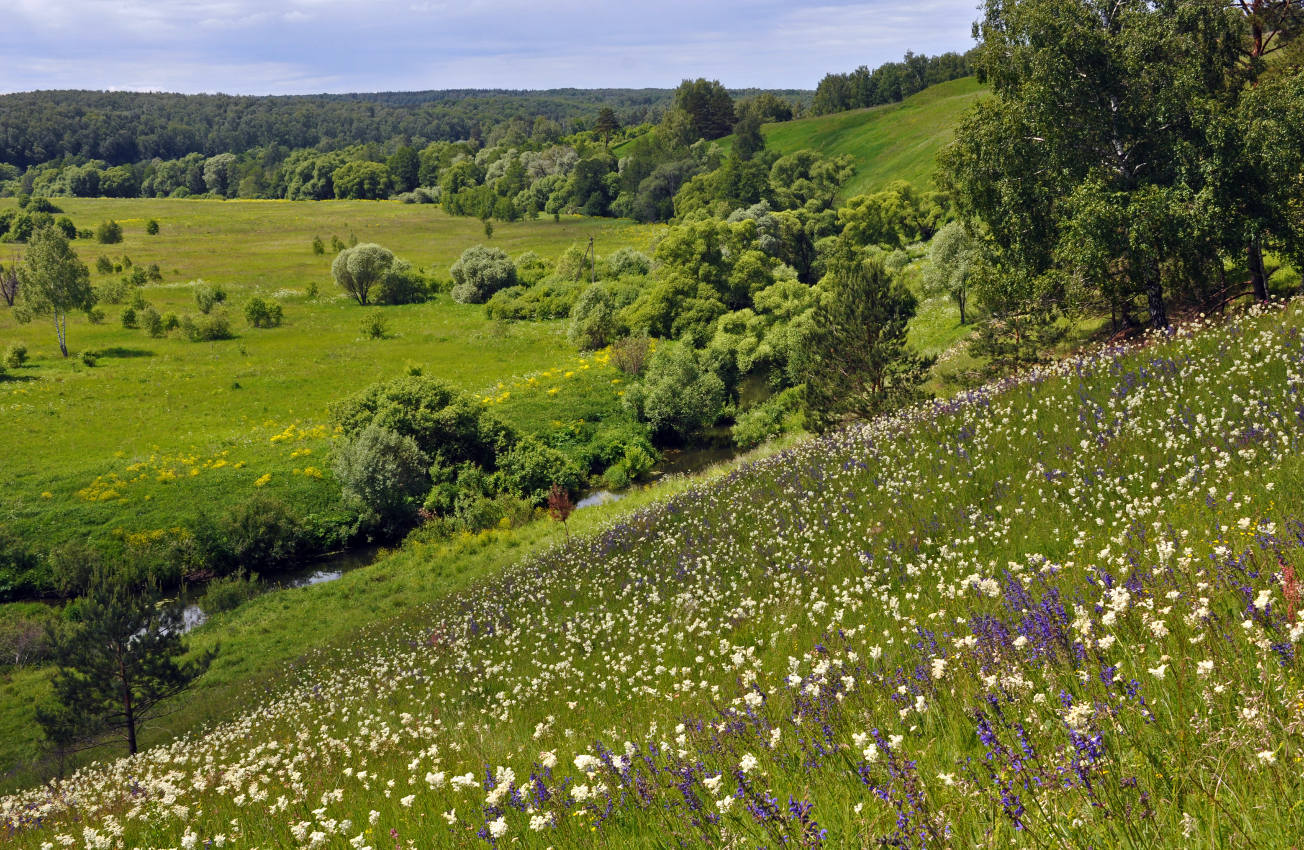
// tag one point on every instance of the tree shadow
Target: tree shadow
(120, 352)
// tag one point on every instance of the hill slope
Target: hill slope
(1056, 611)
(898, 141)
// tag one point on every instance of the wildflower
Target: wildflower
(548, 759)
(724, 803)
(1158, 672)
(498, 828)
(748, 763)
(712, 783)
(539, 823)
(1204, 668)
(373, 817)
(1267, 757)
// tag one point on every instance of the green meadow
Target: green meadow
(160, 429)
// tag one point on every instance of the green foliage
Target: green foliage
(856, 360)
(449, 426)
(375, 326)
(108, 233)
(385, 473)
(708, 107)
(593, 321)
(263, 312)
(89, 357)
(54, 282)
(636, 462)
(151, 227)
(207, 296)
(21, 572)
(153, 323)
(261, 533)
(888, 83)
(360, 180)
(104, 265)
(757, 424)
(531, 269)
(677, 397)
(530, 468)
(479, 273)
(362, 268)
(129, 318)
(119, 659)
(229, 592)
(15, 355)
(318, 247)
(207, 328)
(951, 257)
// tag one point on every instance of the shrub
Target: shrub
(24, 635)
(108, 233)
(154, 273)
(626, 262)
(42, 205)
(129, 318)
(479, 273)
(501, 510)
(448, 425)
(758, 424)
(636, 463)
(208, 296)
(22, 572)
(531, 467)
(593, 319)
(531, 268)
(318, 247)
(89, 358)
(104, 265)
(630, 355)
(151, 227)
(677, 397)
(66, 227)
(384, 472)
(262, 533)
(15, 355)
(208, 328)
(263, 312)
(229, 593)
(375, 326)
(152, 323)
(402, 284)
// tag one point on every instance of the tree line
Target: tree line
(890, 82)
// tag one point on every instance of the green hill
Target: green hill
(899, 141)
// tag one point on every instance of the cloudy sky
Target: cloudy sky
(305, 46)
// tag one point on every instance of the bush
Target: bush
(636, 463)
(15, 355)
(384, 472)
(24, 635)
(151, 227)
(758, 424)
(402, 284)
(625, 262)
(263, 312)
(229, 593)
(104, 265)
(479, 273)
(152, 323)
(531, 467)
(630, 355)
(375, 326)
(108, 233)
(208, 328)
(21, 571)
(448, 425)
(677, 398)
(531, 268)
(593, 319)
(318, 247)
(42, 205)
(207, 296)
(129, 318)
(262, 533)
(89, 358)
(550, 300)
(502, 510)
(66, 227)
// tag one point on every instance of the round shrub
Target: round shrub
(15, 355)
(531, 467)
(207, 296)
(593, 319)
(262, 533)
(448, 425)
(208, 328)
(479, 273)
(677, 398)
(385, 473)
(263, 312)
(108, 233)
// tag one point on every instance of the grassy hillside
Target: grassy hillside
(899, 141)
(1056, 611)
(162, 428)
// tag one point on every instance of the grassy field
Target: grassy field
(1060, 610)
(898, 141)
(161, 428)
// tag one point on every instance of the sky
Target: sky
(311, 46)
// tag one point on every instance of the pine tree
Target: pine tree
(117, 661)
(857, 361)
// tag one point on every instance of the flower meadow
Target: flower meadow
(1061, 610)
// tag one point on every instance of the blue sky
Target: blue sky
(305, 46)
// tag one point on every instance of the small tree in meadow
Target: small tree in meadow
(53, 282)
(560, 506)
